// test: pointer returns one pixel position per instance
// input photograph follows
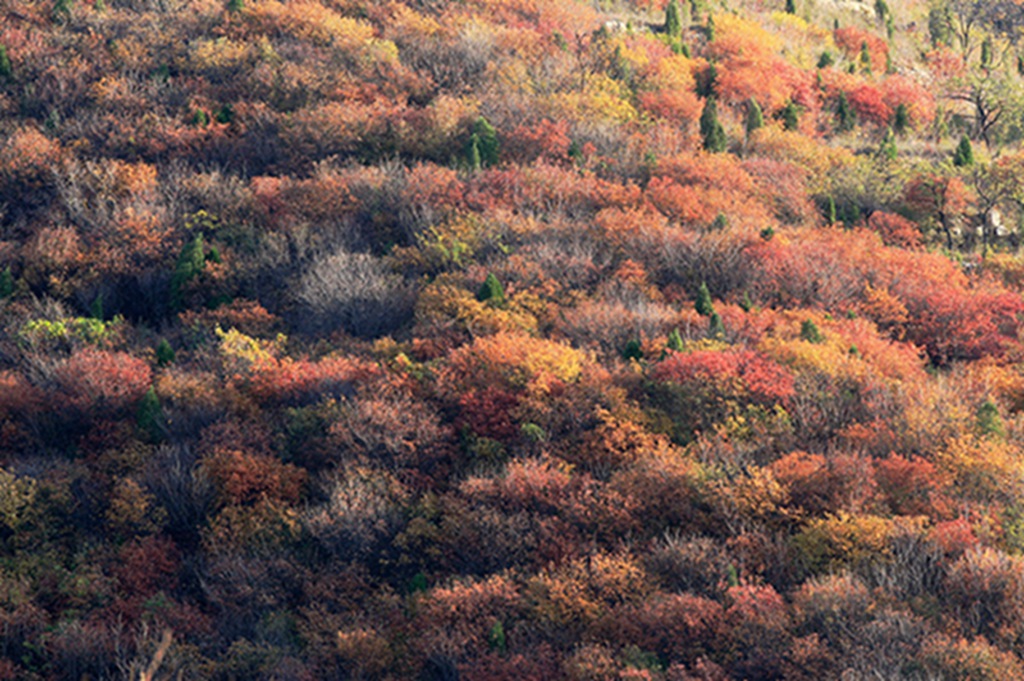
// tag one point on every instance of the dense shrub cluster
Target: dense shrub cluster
(511, 339)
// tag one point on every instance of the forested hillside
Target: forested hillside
(511, 339)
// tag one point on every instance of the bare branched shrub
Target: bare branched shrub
(689, 565)
(362, 508)
(353, 291)
(182, 488)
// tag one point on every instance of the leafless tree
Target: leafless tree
(353, 291)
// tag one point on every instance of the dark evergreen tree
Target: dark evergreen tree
(487, 142)
(703, 305)
(6, 72)
(810, 333)
(61, 10)
(675, 341)
(964, 154)
(164, 353)
(755, 117)
(865, 57)
(900, 119)
(96, 309)
(790, 115)
(706, 82)
(6, 283)
(496, 639)
(632, 350)
(939, 26)
(988, 421)
(673, 19)
(888, 150)
(881, 10)
(225, 114)
(491, 291)
(711, 129)
(791, 6)
(191, 262)
(846, 117)
(716, 329)
(150, 417)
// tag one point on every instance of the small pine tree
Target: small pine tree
(61, 10)
(96, 309)
(711, 129)
(716, 329)
(881, 10)
(809, 332)
(755, 117)
(418, 583)
(706, 82)
(709, 29)
(236, 6)
(491, 291)
(964, 154)
(845, 115)
(496, 639)
(200, 119)
(939, 22)
(865, 57)
(164, 353)
(825, 60)
(790, 116)
(149, 417)
(487, 142)
(225, 114)
(675, 341)
(633, 350)
(191, 262)
(830, 210)
(473, 160)
(900, 119)
(986, 53)
(732, 576)
(703, 305)
(850, 213)
(6, 283)
(988, 421)
(6, 72)
(790, 6)
(746, 304)
(888, 150)
(673, 19)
